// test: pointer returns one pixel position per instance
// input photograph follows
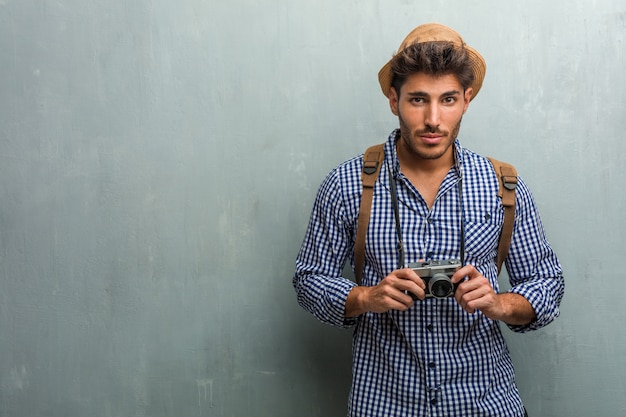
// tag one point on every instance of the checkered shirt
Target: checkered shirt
(433, 359)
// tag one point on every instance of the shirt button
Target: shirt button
(429, 327)
(432, 365)
(433, 401)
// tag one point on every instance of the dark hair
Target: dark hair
(432, 58)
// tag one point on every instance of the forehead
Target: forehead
(431, 85)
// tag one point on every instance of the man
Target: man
(415, 355)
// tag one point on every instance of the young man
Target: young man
(415, 355)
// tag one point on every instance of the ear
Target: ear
(393, 100)
(469, 91)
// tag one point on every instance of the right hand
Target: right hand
(389, 294)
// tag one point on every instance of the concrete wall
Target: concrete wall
(158, 162)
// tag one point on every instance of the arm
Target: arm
(534, 272)
(319, 286)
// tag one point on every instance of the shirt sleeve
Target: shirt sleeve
(533, 268)
(320, 288)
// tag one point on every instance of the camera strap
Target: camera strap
(396, 211)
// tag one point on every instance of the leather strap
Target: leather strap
(372, 162)
(507, 178)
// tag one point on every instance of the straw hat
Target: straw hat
(434, 32)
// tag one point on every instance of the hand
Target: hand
(476, 293)
(389, 294)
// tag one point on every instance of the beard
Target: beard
(424, 151)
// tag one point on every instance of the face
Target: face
(430, 109)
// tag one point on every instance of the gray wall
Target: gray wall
(158, 161)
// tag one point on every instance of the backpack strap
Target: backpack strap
(507, 179)
(372, 162)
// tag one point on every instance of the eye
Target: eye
(449, 100)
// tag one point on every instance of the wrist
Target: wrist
(355, 302)
(515, 309)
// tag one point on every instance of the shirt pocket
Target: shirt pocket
(482, 232)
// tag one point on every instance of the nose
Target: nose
(432, 116)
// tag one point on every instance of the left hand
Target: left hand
(476, 293)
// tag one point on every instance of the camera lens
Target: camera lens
(440, 286)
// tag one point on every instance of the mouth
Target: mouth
(431, 138)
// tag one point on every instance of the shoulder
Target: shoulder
(483, 166)
(345, 179)
(477, 167)
(346, 175)
(480, 171)
(341, 188)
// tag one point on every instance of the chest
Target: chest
(431, 219)
(427, 186)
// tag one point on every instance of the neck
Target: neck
(411, 162)
(425, 174)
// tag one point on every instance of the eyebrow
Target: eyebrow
(424, 94)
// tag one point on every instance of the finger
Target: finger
(467, 271)
(417, 293)
(469, 285)
(410, 288)
(476, 283)
(460, 298)
(400, 301)
(411, 283)
(409, 274)
(474, 298)
(396, 289)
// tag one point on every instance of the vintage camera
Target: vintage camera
(436, 276)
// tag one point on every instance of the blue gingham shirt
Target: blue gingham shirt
(433, 359)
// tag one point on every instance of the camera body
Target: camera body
(436, 276)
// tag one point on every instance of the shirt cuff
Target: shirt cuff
(336, 296)
(539, 296)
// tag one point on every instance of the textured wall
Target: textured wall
(158, 161)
